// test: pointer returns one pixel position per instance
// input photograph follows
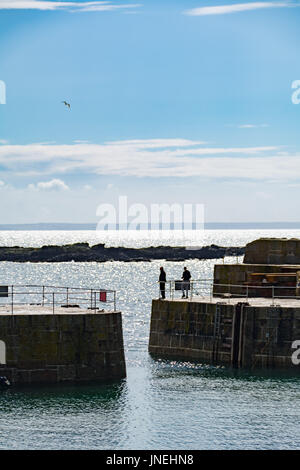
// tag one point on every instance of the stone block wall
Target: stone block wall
(273, 251)
(239, 275)
(186, 330)
(62, 347)
(248, 337)
(270, 333)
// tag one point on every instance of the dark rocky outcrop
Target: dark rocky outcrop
(80, 252)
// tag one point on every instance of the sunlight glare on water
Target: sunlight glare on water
(139, 239)
(162, 404)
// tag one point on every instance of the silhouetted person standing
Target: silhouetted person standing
(162, 282)
(185, 285)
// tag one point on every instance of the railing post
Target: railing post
(53, 301)
(12, 300)
(67, 296)
(95, 302)
(247, 292)
(191, 290)
(43, 301)
(115, 303)
(91, 299)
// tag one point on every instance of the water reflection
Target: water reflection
(161, 404)
(64, 416)
(164, 405)
(164, 366)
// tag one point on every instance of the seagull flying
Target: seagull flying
(66, 104)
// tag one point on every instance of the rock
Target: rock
(82, 252)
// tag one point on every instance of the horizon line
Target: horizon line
(93, 225)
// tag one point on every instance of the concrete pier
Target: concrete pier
(72, 344)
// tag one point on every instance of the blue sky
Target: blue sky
(171, 101)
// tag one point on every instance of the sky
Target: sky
(182, 101)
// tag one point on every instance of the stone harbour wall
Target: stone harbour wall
(237, 335)
(273, 251)
(238, 276)
(186, 330)
(62, 347)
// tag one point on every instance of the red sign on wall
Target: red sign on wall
(102, 296)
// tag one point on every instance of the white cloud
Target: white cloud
(5, 186)
(252, 126)
(156, 143)
(149, 158)
(234, 8)
(100, 6)
(263, 195)
(71, 6)
(53, 185)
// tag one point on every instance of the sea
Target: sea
(162, 404)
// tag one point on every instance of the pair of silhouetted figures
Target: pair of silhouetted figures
(185, 283)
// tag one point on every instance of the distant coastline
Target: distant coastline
(207, 226)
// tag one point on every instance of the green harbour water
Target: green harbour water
(161, 404)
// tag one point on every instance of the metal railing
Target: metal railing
(15, 295)
(207, 288)
(197, 287)
(228, 259)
